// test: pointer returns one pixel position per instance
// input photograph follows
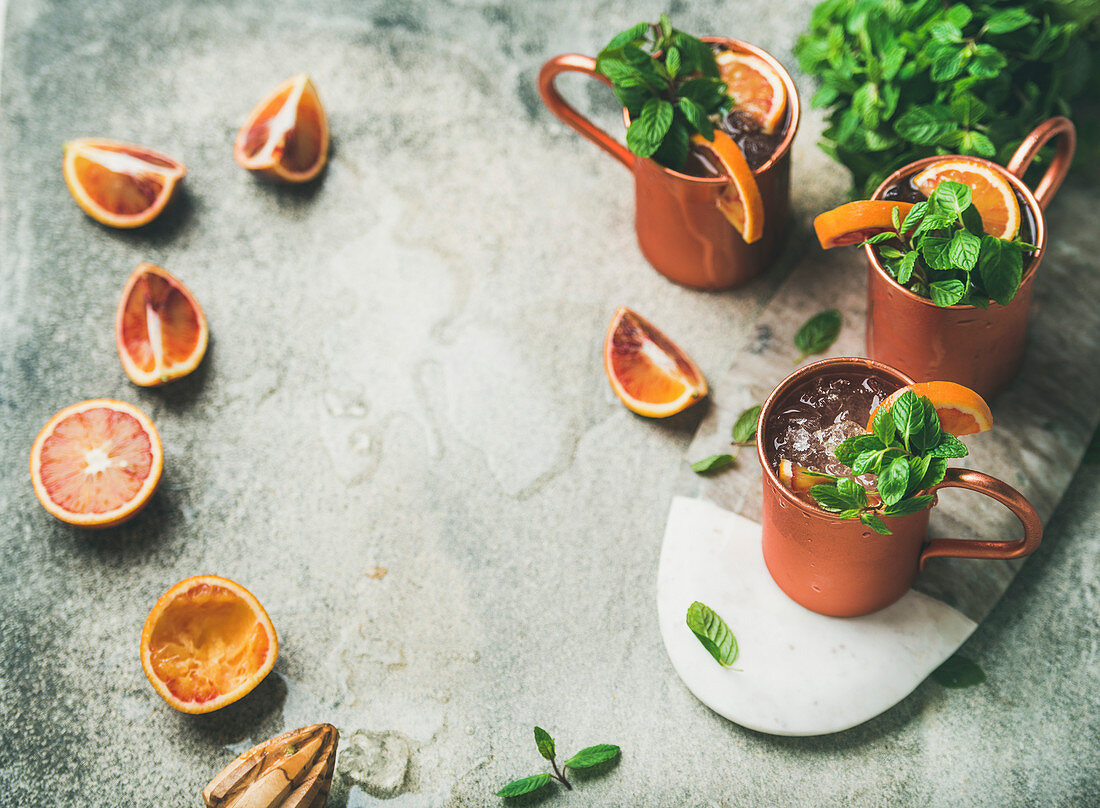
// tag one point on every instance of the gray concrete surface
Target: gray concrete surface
(405, 373)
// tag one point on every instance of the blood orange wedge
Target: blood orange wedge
(160, 329)
(754, 86)
(799, 478)
(206, 643)
(96, 463)
(991, 193)
(286, 134)
(648, 373)
(119, 184)
(740, 202)
(856, 222)
(961, 410)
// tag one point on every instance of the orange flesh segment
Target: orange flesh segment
(119, 184)
(741, 202)
(207, 642)
(991, 193)
(754, 86)
(649, 373)
(160, 327)
(95, 461)
(856, 221)
(289, 129)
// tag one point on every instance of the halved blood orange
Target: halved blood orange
(647, 371)
(286, 134)
(206, 643)
(120, 184)
(991, 193)
(740, 202)
(160, 329)
(96, 463)
(856, 222)
(754, 86)
(799, 478)
(961, 410)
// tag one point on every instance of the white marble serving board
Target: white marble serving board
(1042, 425)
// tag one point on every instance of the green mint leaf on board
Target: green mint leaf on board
(744, 428)
(526, 785)
(817, 333)
(545, 743)
(872, 520)
(712, 463)
(893, 481)
(713, 633)
(909, 505)
(593, 756)
(958, 672)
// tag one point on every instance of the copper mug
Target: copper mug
(982, 349)
(681, 231)
(840, 567)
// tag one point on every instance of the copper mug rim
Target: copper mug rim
(1018, 184)
(793, 104)
(781, 389)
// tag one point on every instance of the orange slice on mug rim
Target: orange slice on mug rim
(755, 87)
(991, 193)
(207, 643)
(961, 410)
(120, 184)
(648, 371)
(286, 135)
(741, 202)
(856, 222)
(160, 329)
(95, 464)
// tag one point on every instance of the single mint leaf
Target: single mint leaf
(852, 491)
(656, 118)
(946, 293)
(893, 481)
(637, 137)
(630, 35)
(905, 269)
(918, 468)
(909, 505)
(713, 633)
(883, 425)
(869, 462)
(525, 786)
(1001, 267)
(928, 433)
(950, 446)
(850, 448)
(925, 125)
(963, 250)
(545, 743)
(674, 150)
(666, 26)
(828, 498)
(952, 197)
(914, 216)
(593, 756)
(937, 468)
(744, 428)
(872, 520)
(935, 251)
(818, 333)
(958, 672)
(672, 61)
(712, 463)
(1008, 20)
(907, 412)
(697, 117)
(879, 237)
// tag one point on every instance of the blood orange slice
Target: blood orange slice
(961, 410)
(206, 643)
(856, 221)
(160, 329)
(740, 202)
(991, 193)
(799, 478)
(96, 463)
(647, 371)
(286, 135)
(754, 86)
(120, 184)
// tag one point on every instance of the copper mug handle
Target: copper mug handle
(575, 63)
(1006, 495)
(1061, 128)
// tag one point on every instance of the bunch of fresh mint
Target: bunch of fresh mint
(668, 82)
(947, 256)
(906, 448)
(906, 80)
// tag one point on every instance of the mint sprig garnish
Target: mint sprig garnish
(585, 759)
(907, 450)
(946, 256)
(817, 333)
(668, 82)
(903, 81)
(711, 630)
